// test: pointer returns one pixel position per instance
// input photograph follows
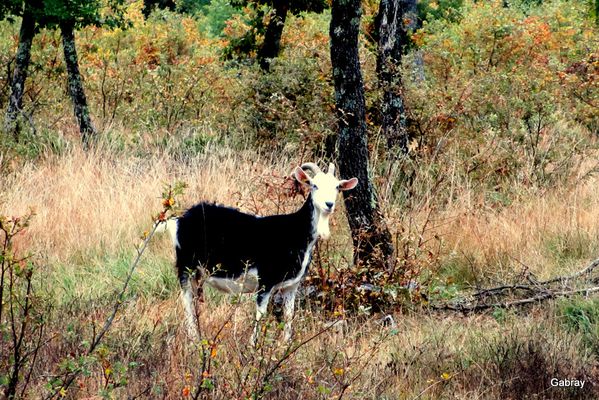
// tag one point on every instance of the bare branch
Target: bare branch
(534, 292)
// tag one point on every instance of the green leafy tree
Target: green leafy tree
(72, 15)
(277, 11)
(29, 12)
(68, 16)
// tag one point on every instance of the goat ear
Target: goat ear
(301, 176)
(348, 184)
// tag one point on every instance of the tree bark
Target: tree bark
(22, 59)
(392, 24)
(76, 84)
(371, 238)
(150, 5)
(272, 37)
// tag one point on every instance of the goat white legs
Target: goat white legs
(288, 310)
(261, 308)
(191, 322)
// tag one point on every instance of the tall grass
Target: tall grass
(487, 197)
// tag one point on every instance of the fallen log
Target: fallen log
(523, 294)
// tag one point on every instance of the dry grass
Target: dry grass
(545, 233)
(100, 201)
(91, 208)
(454, 229)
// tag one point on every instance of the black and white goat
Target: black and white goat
(243, 253)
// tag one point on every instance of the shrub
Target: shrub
(22, 312)
(582, 316)
(498, 92)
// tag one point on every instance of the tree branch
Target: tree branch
(536, 292)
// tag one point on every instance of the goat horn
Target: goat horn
(331, 169)
(311, 167)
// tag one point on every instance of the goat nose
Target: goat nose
(330, 204)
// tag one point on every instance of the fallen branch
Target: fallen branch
(576, 275)
(537, 291)
(543, 296)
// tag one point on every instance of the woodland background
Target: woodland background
(491, 180)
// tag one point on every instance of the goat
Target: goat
(243, 253)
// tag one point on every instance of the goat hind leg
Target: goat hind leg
(191, 320)
(288, 311)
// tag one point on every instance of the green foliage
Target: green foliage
(497, 92)
(70, 283)
(582, 315)
(244, 33)
(291, 105)
(254, 19)
(459, 270)
(31, 145)
(215, 16)
(447, 10)
(192, 7)
(189, 146)
(81, 13)
(571, 246)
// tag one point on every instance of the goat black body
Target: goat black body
(227, 243)
(241, 253)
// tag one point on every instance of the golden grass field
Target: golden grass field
(92, 207)
(501, 187)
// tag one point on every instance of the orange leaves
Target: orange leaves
(168, 202)
(537, 29)
(148, 55)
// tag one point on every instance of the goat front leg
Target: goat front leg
(261, 308)
(288, 311)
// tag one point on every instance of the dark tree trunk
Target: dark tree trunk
(392, 25)
(272, 37)
(76, 84)
(150, 5)
(17, 86)
(371, 238)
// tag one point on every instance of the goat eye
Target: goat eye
(314, 187)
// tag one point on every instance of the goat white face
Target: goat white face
(324, 189)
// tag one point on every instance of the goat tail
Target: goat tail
(170, 226)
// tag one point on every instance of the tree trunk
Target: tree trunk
(17, 86)
(76, 84)
(150, 5)
(371, 238)
(272, 37)
(392, 30)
